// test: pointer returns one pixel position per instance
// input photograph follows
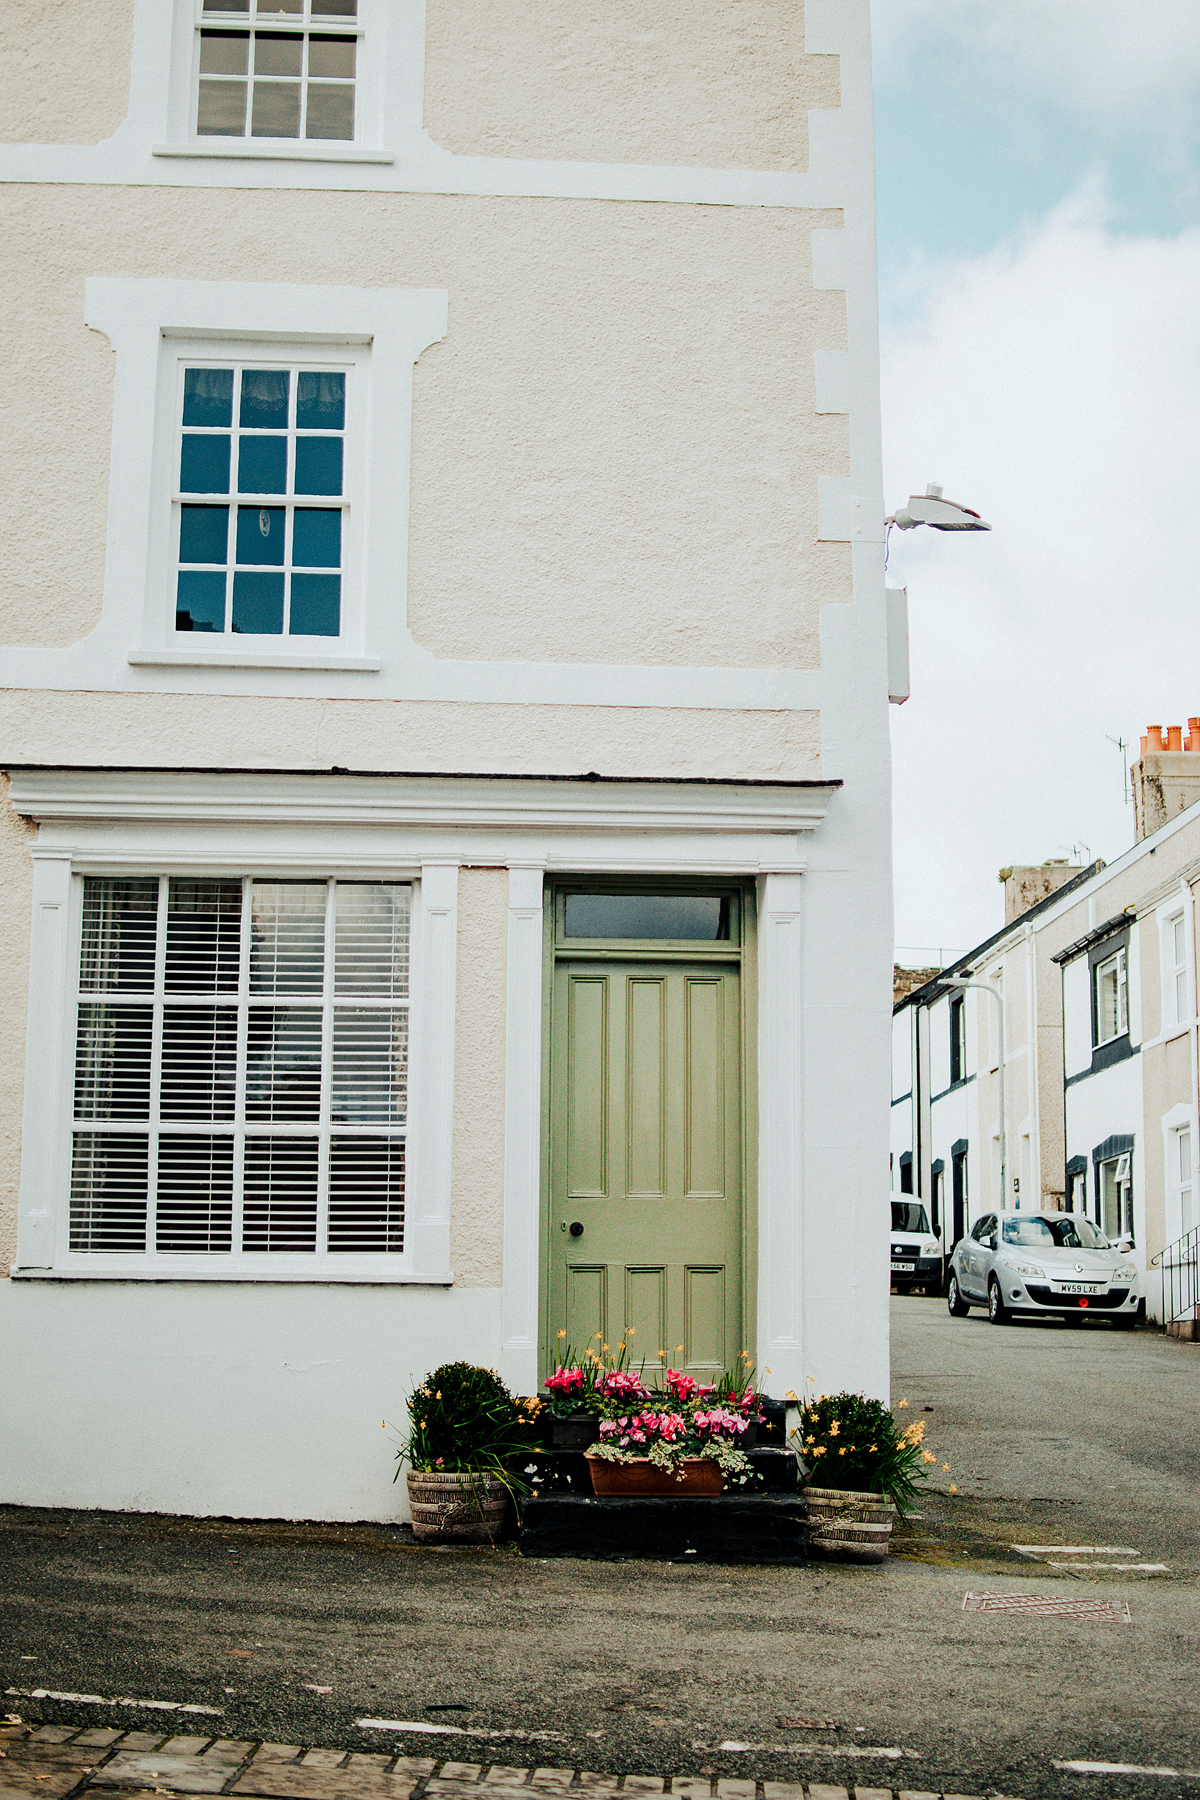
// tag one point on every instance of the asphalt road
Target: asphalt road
(1054, 1436)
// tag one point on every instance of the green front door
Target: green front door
(646, 1156)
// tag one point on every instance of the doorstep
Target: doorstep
(732, 1528)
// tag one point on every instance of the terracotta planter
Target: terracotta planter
(452, 1507)
(641, 1480)
(578, 1432)
(847, 1526)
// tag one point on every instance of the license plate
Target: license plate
(1075, 1287)
(903, 1268)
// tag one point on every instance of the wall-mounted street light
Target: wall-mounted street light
(929, 508)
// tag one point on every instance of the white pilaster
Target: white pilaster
(522, 1128)
(431, 1133)
(46, 1042)
(780, 1040)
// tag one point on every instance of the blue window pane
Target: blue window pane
(208, 396)
(262, 465)
(318, 466)
(316, 605)
(260, 534)
(265, 399)
(203, 534)
(204, 465)
(258, 603)
(320, 398)
(200, 600)
(316, 538)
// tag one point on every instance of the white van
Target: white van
(916, 1252)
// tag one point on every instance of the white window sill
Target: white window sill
(273, 151)
(319, 1278)
(252, 659)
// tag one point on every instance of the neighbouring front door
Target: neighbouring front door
(646, 1148)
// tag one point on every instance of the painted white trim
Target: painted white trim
(781, 1089)
(431, 1083)
(383, 330)
(46, 1045)
(157, 130)
(500, 803)
(522, 1128)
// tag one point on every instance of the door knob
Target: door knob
(576, 1229)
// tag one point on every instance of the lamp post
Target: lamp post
(998, 997)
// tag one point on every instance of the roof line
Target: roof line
(591, 776)
(929, 989)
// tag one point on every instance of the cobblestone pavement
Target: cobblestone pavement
(53, 1762)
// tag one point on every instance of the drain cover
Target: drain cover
(1049, 1606)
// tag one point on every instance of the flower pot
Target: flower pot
(848, 1526)
(578, 1432)
(695, 1478)
(455, 1507)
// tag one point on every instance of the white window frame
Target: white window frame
(1120, 960)
(153, 326)
(44, 1211)
(378, 50)
(355, 365)
(1122, 1174)
(1177, 1007)
(1180, 1120)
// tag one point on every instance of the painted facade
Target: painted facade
(1100, 1007)
(467, 417)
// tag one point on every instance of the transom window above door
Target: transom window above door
(661, 918)
(261, 503)
(278, 69)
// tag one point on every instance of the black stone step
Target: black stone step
(733, 1528)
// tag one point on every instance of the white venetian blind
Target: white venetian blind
(241, 1068)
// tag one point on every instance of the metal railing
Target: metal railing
(1179, 1267)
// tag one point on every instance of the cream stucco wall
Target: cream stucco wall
(616, 449)
(16, 904)
(714, 85)
(477, 1172)
(232, 731)
(66, 70)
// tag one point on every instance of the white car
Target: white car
(916, 1252)
(1017, 1262)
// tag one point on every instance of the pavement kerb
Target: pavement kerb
(145, 1764)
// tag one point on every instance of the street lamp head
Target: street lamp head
(930, 508)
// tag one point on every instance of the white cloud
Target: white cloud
(1055, 386)
(1106, 59)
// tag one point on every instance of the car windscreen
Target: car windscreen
(909, 1215)
(1066, 1231)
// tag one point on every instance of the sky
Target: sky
(1038, 168)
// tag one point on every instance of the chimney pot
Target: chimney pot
(1174, 737)
(1155, 739)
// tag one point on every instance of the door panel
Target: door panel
(587, 1170)
(645, 1054)
(646, 1155)
(646, 1310)
(587, 1302)
(704, 1318)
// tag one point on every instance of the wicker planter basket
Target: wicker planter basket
(702, 1479)
(455, 1507)
(848, 1526)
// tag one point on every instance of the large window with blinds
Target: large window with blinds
(240, 1073)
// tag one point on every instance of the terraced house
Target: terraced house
(446, 850)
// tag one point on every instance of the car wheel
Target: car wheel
(954, 1300)
(1125, 1322)
(998, 1313)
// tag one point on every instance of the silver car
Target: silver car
(1017, 1262)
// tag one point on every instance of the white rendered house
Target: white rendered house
(445, 715)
